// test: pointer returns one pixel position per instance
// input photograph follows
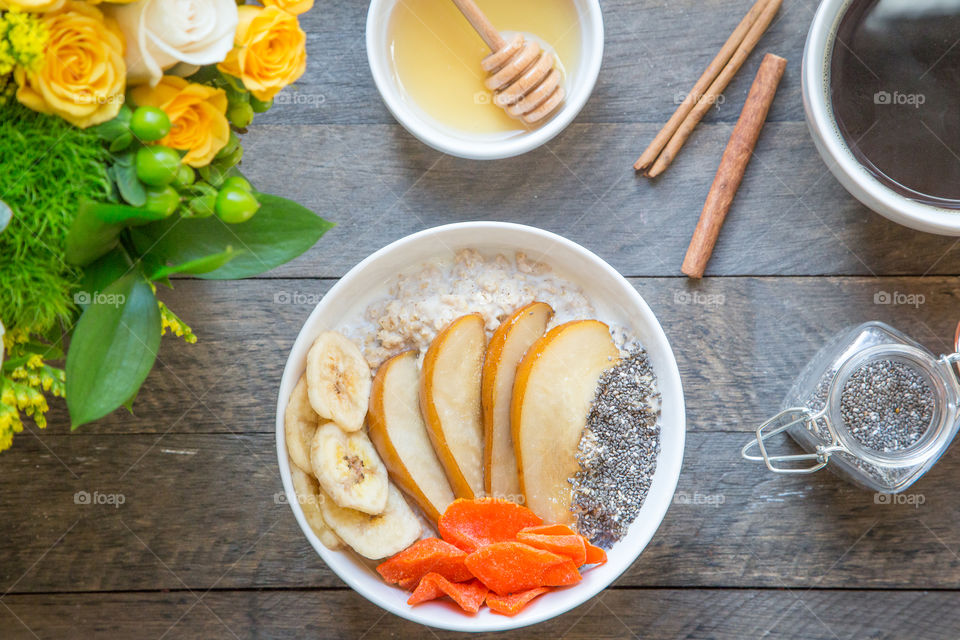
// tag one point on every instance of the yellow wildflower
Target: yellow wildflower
(22, 389)
(22, 40)
(10, 424)
(170, 322)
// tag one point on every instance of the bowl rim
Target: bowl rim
(669, 375)
(592, 47)
(834, 150)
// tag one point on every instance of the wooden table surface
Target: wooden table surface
(201, 546)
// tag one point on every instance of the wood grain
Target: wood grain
(739, 343)
(652, 614)
(654, 51)
(207, 511)
(742, 553)
(791, 216)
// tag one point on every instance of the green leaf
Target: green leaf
(205, 264)
(96, 229)
(128, 404)
(100, 274)
(113, 348)
(117, 128)
(150, 264)
(123, 214)
(213, 174)
(208, 74)
(279, 232)
(89, 237)
(130, 187)
(121, 142)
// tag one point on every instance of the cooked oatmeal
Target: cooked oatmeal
(421, 303)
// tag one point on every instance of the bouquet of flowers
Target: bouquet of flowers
(119, 154)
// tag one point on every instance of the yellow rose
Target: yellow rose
(269, 53)
(34, 6)
(294, 7)
(81, 75)
(197, 116)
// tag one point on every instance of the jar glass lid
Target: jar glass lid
(887, 405)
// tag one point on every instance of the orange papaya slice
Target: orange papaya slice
(514, 603)
(468, 595)
(430, 555)
(511, 567)
(571, 546)
(471, 524)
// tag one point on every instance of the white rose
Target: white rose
(162, 33)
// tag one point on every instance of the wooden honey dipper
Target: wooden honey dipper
(523, 77)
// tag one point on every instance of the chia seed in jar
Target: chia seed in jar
(873, 406)
(887, 405)
(618, 450)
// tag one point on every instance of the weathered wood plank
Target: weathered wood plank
(739, 343)
(652, 614)
(196, 471)
(202, 511)
(790, 216)
(654, 51)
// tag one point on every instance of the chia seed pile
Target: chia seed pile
(887, 405)
(618, 451)
(877, 402)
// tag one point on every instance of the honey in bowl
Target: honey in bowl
(895, 84)
(436, 57)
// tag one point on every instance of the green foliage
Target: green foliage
(113, 349)
(82, 223)
(47, 167)
(279, 232)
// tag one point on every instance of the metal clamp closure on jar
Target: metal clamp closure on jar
(941, 374)
(808, 419)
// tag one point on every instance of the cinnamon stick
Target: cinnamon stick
(709, 75)
(709, 98)
(734, 163)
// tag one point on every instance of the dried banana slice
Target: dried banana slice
(349, 469)
(309, 498)
(299, 425)
(375, 537)
(338, 380)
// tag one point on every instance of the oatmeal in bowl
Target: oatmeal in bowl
(511, 380)
(425, 299)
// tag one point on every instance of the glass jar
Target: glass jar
(873, 406)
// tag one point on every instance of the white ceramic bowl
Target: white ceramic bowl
(614, 300)
(475, 147)
(833, 148)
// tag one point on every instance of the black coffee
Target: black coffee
(895, 85)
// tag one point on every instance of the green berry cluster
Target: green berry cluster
(151, 175)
